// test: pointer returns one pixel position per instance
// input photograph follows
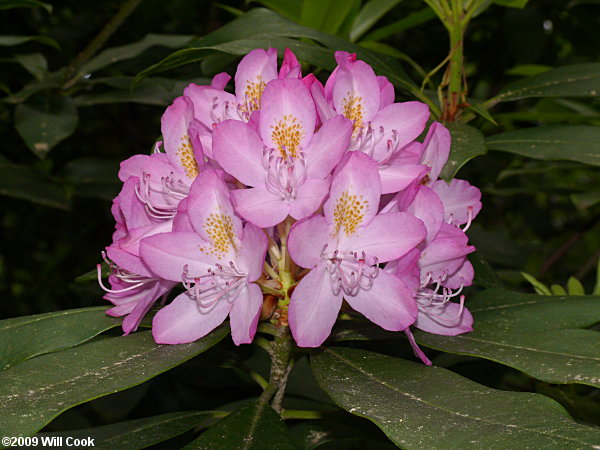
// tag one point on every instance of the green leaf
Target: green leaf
(596, 290)
(93, 177)
(11, 40)
(577, 80)
(482, 111)
(418, 406)
(287, 8)
(467, 143)
(255, 425)
(32, 184)
(558, 142)
(557, 289)
(368, 16)
(129, 51)
(540, 288)
(136, 434)
(325, 15)
(45, 120)
(22, 338)
(150, 91)
(528, 70)
(38, 390)
(242, 35)
(512, 3)
(538, 335)
(10, 4)
(484, 273)
(575, 287)
(35, 64)
(410, 21)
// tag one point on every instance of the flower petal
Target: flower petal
(254, 249)
(428, 207)
(406, 268)
(211, 105)
(245, 313)
(166, 254)
(238, 149)
(458, 197)
(181, 321)
(397, 176)
(313, 308)
(354, 194)
(436, 149)
(287, 117)
(402, 123)
(388, 303)
(253, 73)
(133, 319)
(327, 146)
(450, 322)
(387, 237)
(355, 93)
(309, 197)
(211, 214)
(175, 125)
(306, 240)
(386, 92)
(462, 277)
(259, 206)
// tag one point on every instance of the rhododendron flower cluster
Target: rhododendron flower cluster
(290, 201)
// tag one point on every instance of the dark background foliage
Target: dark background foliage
(541, 217)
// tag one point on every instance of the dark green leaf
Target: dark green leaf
(150, 91)
(536, 334)
(408, 22)
(31, 184)
(368, 16)
(430, 407)
(577, 80)
(254, 426)
(325, 15)
(242, 35)
(10, 4)
(45, 120)
(124, 52)
(287, 8)
(484, 273)
(10, 40)
(35, 64)
(568, 142)
(38, 390)
(467, 143)
(22, 338)
(136, 434)
(512, 3)
(93, 177)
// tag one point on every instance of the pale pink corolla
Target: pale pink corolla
(381, 129)
(133, 287)
(438, 270)
(165, 178)
(285, 163)
(213, 105)
(217, 263)
(343, 249)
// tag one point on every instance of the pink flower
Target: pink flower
(134, 288)
(342, 249)
(438, 271)
(285, 162)
(382, 129)
(165, 179)
(217, 262)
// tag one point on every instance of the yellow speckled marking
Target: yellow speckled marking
(349, 212)
(186, 157)
(353, 109)
(286, 135)
(253, 94)
(219, 228)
